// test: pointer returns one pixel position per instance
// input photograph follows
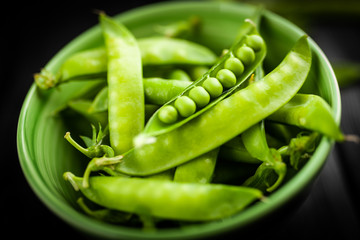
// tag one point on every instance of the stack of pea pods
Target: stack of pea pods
(178, 133)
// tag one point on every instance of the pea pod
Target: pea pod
(100, 102)
(166, 199)
(198, 170)
(126, 92)
(254, 140)
(92, 63)
(156, 91)
(219, 82)
(161, 50)
(310, 112)
(180, 29)
(159, 91)
(230, 117)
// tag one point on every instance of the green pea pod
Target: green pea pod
(167, 175)
(174, 51)
(255, 142)
(310, 112)
(92, 63)
(180, 29)
(159, 91)
(100, 102)
(156, 125)
(86, 64)
(126, 92)
(227, 119)
(166, 199)
(198, 170)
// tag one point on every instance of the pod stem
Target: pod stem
(97, 164)
(84, 151)
(352, 138)
(68, 176)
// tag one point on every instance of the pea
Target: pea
(185, 105)
(168, 114)
(213, 87)
(235, 65)
(255, 42)
(198, 71)
(200, 96)
(245, 54)
(226, 77)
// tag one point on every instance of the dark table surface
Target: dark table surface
(31, 35)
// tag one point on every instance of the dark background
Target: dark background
(32, 34)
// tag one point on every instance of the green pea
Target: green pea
(168, 114)
(213, 87)
(255, 42)
(235, 65)
(185, 105)
(245, 54)
(198, 71)
(179, 74)
(226, 77)
(200, 96)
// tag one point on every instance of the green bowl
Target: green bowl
(45, 155)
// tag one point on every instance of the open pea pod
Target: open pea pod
(227, 75)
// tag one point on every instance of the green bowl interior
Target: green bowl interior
(44, 154)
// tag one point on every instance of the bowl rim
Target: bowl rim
(256, 212)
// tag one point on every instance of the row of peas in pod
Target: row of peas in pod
(200, 94)
(233, 68)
